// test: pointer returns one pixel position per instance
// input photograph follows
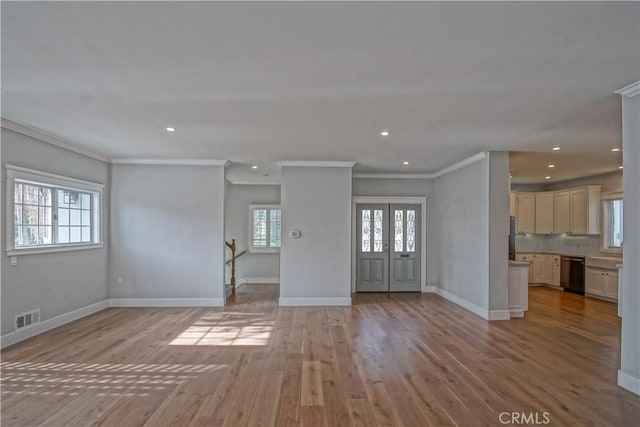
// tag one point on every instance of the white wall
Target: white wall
(56, 283)
(316, 269)
(630, 364)
(238, 199)
(167, 232)
(460, 232)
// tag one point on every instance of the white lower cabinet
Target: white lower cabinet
(602, 283)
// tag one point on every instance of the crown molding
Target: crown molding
(316, 164)
(462, 163)
(629, 91)
(393, 175)
(171, 162)
(459, 165)
(52, 139)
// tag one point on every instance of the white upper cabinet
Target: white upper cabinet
(544, 213)
(585, 210)
(562, 212)
(525, 213)
(572, 211)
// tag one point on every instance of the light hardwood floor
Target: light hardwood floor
(390, 359)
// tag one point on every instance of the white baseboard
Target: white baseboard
(468, 305)
(166, 302)
(314, 301)
(516, 313)
(430, 289)
(499, 315)
(260, 280)
(46, 325)
(628, 382)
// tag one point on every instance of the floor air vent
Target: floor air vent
(25, 320)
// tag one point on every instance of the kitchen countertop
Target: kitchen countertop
(570, 254)
(518, 263)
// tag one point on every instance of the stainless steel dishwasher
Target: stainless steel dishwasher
(572, 274)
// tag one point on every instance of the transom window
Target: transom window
(265, 228)
(48, 213)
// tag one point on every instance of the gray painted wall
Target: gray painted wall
(630, 300)
(239, 197)
(61, 282)
(460, 231)
(498, 230)
(392, 187)
(316, 201)
(167, 231)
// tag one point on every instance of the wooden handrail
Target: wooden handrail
(232, 246)
(227, 262)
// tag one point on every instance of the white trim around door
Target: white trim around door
(419, 200)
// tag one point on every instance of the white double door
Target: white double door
(388, 248)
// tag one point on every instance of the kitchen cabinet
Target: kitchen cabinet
(571, 211)
(555, 270)
(585, 210)
(538, 268)
(529, 259)
(512, 204)
(547, 269)
(544, 268)
(562, 212)
(602, 283)
(544, 213)
(525, 213)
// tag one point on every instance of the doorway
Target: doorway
(388, 247)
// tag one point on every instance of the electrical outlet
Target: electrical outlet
(120, 281)
(14, 261)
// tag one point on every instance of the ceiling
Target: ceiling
(255, 83)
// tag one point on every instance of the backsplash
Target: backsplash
(561, 243)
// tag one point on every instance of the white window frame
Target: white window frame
(254, 249)
(30, 176)
(604, 244)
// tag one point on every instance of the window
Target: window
(612, 223)
(265, 228)
(50, 212)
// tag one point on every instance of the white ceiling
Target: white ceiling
(255, 83)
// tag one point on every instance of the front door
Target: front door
(388, 248)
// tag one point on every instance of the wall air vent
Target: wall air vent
(27, 319)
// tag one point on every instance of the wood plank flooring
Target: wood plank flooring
(390, 359)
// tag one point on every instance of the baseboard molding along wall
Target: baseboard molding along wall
(629, 382)
(46, 325)
(166, 302)
(314, 301)
(467, 305)
(260, 280)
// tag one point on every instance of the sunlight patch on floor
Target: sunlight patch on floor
(227, 329)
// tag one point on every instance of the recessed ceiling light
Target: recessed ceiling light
(552, 166)
(556, 148)
(406, 163)
(171, 129)
(615, 149)
(547, 177)
(254, 167)
(620, 167)
(385, 133)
